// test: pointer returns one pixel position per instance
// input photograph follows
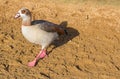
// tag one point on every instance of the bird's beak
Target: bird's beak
(17, 15)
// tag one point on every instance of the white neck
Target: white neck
(26, 21)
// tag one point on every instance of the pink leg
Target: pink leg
(42, 54)
(32, 63)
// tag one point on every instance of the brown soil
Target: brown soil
(90, 51)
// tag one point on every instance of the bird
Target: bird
(40, 32)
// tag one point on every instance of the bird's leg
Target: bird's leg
(42, 54)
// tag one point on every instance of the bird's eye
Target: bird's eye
(23, 11)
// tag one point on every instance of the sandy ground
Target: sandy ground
(91, 50)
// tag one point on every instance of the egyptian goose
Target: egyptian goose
(41, 32)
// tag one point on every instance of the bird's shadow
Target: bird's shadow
(70, 33)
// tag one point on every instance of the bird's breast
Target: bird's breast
(29, 33)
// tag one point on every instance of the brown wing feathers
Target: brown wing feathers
(49, 26)
(60, 31)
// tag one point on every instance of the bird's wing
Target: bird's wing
(49, 26)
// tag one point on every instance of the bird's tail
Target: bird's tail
(63, 25)
(66, 31)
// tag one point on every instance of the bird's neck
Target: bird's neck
(26, 21)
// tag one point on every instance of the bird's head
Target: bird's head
(23, 13)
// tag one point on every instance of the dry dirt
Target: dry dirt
(91, 50)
